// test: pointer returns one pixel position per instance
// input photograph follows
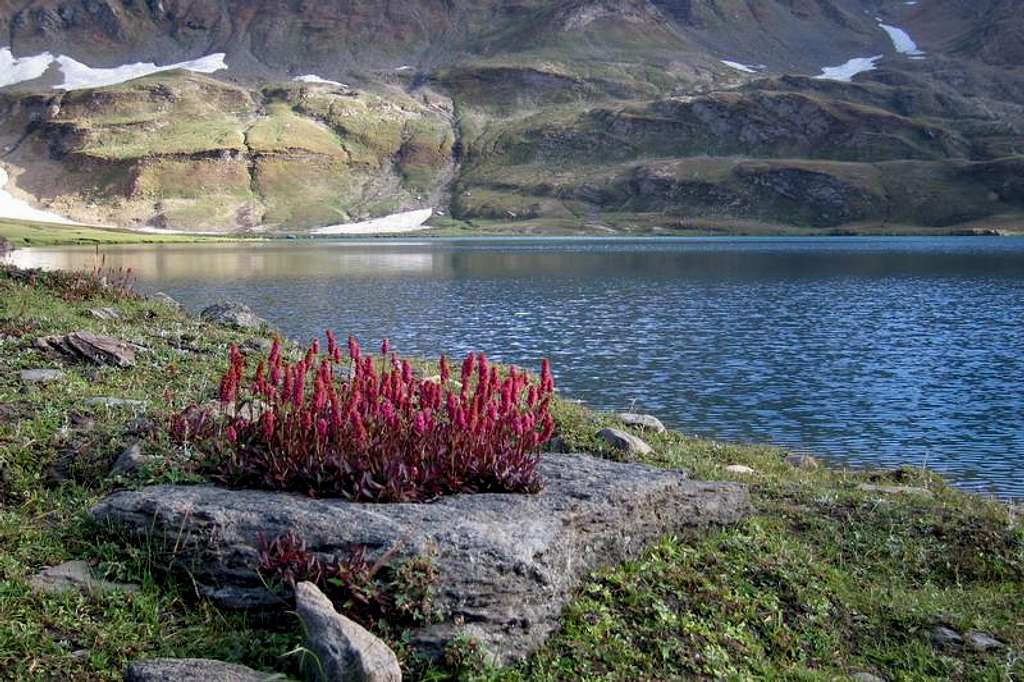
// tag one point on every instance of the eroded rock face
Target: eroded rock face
(507, 564)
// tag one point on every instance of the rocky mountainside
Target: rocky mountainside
(590, 115)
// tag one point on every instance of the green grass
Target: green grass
(24, 233)
(823, 580)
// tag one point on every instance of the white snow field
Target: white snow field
(902, 41)
(15, 70)
(16, 209)
(846, 72)
(78, 76)
(317, 80)
(410, 221)
(739, 67)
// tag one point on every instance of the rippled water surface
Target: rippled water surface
(875, 351)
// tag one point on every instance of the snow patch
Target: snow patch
(846, 72)
(313, 78)
(78, 76)
(742, 67)
(410, 221)
(901, 40)
(16, 209)
(15, 70)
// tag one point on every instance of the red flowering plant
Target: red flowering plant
(347, 426)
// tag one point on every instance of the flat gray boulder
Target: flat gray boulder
(231, 314)
(507, 564)
(643, 421)
(40, 376)
(625, 442)
(193, 670)
(89, 347)
(345, 651)
(74, 576)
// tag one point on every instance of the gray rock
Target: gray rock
(117, 402)
(946, 638)
(40, 376)
(643, 421)
(982, 641)
(161, 297)
(234, 315)
(193, 670)
(345, 651)
(507, 564)
(257, 346)
(802, 462)
(626, 442)
(895, 490)
(74, 575)
(105, 314)
(740, 469)
(89, 347)
(132, 461)
(557, 444)
(866, 677)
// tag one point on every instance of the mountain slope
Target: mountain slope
(586, 114)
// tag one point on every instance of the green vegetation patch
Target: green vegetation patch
(824, 580)
(22, 233)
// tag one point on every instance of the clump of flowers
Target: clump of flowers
(374, 593)
(346, 425)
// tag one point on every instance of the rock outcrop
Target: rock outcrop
(89, 347)
(507, 564)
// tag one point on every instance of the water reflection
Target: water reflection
(880, 351)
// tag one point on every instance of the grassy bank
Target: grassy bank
(825, 580)
(22, 233)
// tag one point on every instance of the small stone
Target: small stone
(141, 427)
(74, 575)
(866, 677)
(802, 462)
(740, 469)
(234, 315)
(194, 670)
(161, 297)
(944, 637)
(643, 421)
(982, 641)
(105, 314)
(895, 490)
(626, 442)
(80, 655)
(346, 652)
(558, 444)
(256, 346)
(40, 376)
(249, 410)
(117, 402)
(132, 461)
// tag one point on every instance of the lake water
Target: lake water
(872, 351)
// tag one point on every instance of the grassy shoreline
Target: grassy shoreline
(22, 234)
(825, 580)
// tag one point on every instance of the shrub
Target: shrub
(100, 282)
(373, 433)
(375, 593)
